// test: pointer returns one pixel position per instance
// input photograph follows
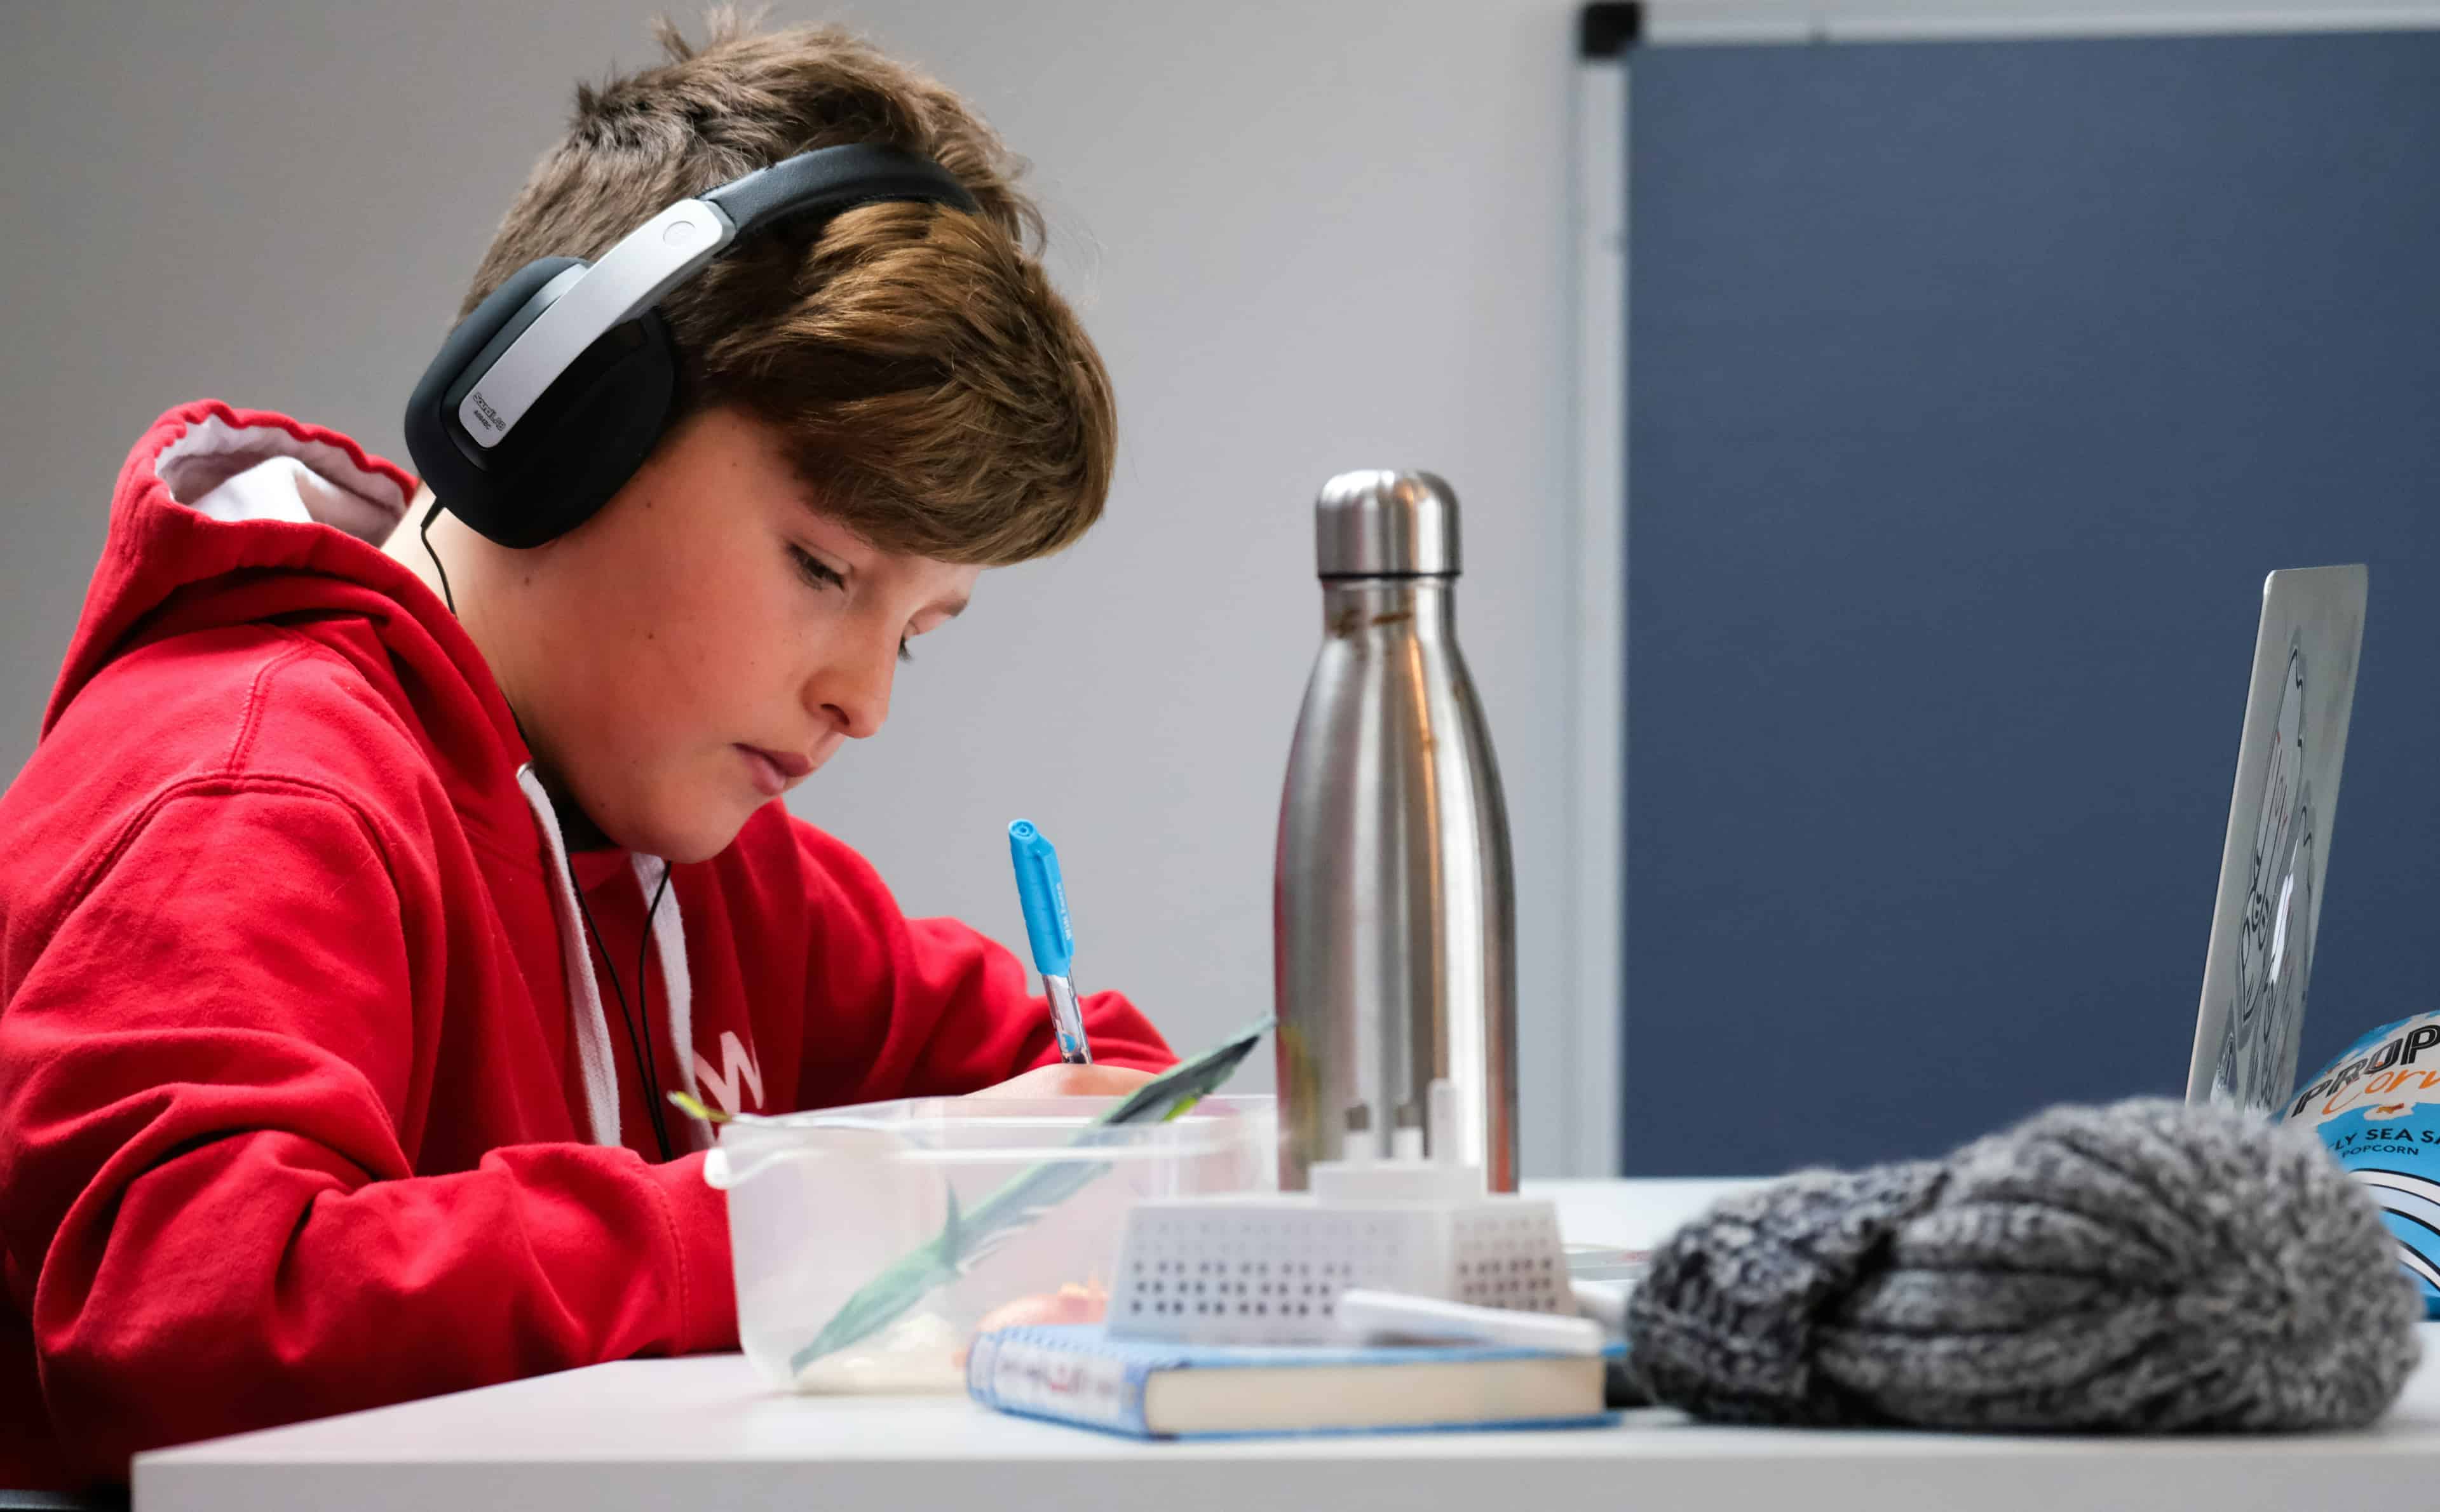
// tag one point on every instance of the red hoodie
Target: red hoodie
(308, 1099)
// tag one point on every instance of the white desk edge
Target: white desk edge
(706, 1431)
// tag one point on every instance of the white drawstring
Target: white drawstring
(592, 1024)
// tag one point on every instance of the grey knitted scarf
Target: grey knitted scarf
(2145, 1267)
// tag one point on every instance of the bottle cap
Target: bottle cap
(1380, 523)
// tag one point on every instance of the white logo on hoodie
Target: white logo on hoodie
(737, 1064)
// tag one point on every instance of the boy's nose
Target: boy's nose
(853, 692)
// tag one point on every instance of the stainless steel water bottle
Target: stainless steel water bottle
(1393, 905)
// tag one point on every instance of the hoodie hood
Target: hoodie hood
(225, 517)
(211, 492)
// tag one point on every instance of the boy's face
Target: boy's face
(706, 640)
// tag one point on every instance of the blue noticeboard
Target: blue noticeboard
(1972, 389)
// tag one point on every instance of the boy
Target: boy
(351, 828)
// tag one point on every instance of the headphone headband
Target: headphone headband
(666, 250)
(835, 179)
(550, 327)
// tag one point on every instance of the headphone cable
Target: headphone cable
(650, 1082)
(446, 597)
(644, 1011)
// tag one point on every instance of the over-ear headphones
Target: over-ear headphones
(552, 392)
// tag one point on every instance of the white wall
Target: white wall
(1309, 237)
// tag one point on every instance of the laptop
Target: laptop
(2263, 926)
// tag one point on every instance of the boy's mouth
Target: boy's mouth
(772, 771)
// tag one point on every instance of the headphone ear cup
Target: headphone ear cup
(463, 475)
(589, 431)
(572, 450)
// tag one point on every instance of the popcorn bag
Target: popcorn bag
(2378, 1109)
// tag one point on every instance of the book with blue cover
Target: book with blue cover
(1075, 1373)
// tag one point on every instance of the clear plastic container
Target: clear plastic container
(822, 1204)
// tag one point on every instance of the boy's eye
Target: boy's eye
(811, 568)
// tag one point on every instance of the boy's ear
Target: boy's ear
(576, 447)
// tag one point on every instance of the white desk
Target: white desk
(707, 1433)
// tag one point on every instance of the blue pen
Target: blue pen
(1045, 899)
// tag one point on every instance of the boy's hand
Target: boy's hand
(1069, 1081)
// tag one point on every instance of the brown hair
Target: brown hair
(932, 388)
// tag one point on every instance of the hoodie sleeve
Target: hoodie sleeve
(203, 1177)
(917, 1007)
